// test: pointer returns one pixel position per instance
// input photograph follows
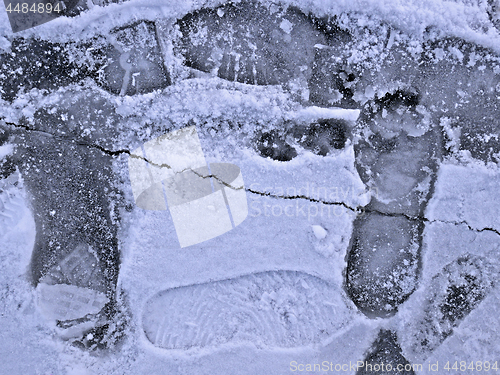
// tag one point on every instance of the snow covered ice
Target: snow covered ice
(367, 136)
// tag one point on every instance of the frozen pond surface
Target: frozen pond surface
(367, 136)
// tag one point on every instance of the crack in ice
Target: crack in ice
(357, 209)
(120, 152)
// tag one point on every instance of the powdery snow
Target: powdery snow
(309, 235)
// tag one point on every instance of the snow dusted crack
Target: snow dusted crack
(357, 209)
(363, 210)
(118, 152)
(493, 230)
(291, 197)
(69, 139)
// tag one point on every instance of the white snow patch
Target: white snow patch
(319, 231)
(6, 150)
(286, 26)
(467, 194)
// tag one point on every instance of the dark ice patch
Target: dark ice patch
(319, 137)
(383, 263)
(135, 63)
(322, 136)
(332, 81)
(454, 293)
(460, 81)
(133, 66)
(400, 170)
(70, 188)
(272, 145)
(35, 63)
(248, 43)
(385, 357)
(71, 192)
